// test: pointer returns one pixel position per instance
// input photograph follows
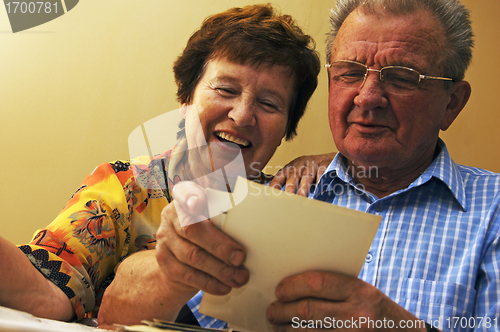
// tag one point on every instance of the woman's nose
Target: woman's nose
(243, 113)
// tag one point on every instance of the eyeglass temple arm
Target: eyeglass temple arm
(425, 77)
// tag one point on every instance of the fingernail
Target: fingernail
(191, 202)
(237, 257)
(279, 290)
(240, 277)
(270, 313)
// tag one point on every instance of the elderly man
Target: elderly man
(396, 72)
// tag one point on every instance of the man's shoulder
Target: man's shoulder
(445, 161)
(476, 172)
(478, 181)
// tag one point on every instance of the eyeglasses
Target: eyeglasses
(395, 79)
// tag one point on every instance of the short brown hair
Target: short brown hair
(255, 35)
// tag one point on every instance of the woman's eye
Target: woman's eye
(226, 92)
(269, 105)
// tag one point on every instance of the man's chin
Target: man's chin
(370, 156)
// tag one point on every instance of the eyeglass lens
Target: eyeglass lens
(398, 80)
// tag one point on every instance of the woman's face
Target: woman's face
(237, 108)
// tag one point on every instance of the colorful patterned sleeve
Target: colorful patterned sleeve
(108, 218)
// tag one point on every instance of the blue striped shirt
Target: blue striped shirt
(203, 320)
(436, 252)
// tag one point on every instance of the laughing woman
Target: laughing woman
(244, 78)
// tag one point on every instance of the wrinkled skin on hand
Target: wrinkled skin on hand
(301, 173)
(315, 295)
(198, 256)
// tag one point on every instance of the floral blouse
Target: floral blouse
(115, 212)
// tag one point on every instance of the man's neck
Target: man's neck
(383, 181)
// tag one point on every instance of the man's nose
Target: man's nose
(376, 76)
(371, 94)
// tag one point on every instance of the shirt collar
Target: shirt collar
(442, 168)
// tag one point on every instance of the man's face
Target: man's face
(371, 127)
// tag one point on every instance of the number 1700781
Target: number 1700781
(38, 7)
(471, 322)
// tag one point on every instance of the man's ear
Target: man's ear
(183, 109)
(460, 93)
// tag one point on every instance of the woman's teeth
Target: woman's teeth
(232, 139)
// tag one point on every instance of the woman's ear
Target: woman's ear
(460, 93)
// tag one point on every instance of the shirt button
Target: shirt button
(379, 207)
(369, 258)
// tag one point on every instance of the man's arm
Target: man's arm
(23, 287)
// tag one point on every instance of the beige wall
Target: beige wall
(73, 89)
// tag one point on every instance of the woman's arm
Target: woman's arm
(23, 287)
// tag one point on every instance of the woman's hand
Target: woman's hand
(301, 173)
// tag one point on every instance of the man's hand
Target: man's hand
(317, 295)
(198, 256)
(301, 173)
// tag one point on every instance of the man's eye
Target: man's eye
(353, 75)
(349, 76)
(402, 81)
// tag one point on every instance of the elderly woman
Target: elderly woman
(245, 78)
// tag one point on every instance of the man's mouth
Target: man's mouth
(367, 124)
(225, 137)
(370, 128)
